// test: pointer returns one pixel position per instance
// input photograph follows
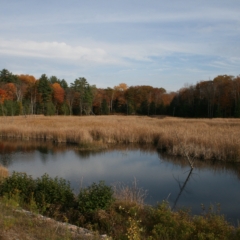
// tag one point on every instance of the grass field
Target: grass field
(217, 139)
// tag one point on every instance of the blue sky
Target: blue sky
(139, 42)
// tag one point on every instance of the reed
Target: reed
(3, 172)
(130, 193)
(217, 139)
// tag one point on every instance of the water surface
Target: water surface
(162, 176)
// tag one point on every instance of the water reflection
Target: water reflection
(5, 159)
(208, 183)
(215, 166)
(182, 188)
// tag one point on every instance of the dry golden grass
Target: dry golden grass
(3, 172)
(20, 224)
(130, 194)
(200, 138)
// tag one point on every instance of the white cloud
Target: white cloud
(121, 41)
(55, 50)
(101, 53)
(93, 52)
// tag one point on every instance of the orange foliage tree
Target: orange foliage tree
(58, 95)
(10, 90)
(97, 100)
(3, 96)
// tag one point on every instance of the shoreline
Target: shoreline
(205, 139)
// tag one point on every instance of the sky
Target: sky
(169, 44)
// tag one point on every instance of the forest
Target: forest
(24, 95)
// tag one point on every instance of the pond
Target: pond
(164, 177)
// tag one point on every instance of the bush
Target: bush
(180, 225)
(18, 182)
(212, 226)
(95, 197)
(53, 191)
(44, 190)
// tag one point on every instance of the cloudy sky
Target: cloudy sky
(139, 42)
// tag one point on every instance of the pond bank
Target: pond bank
(206, 139)
(122, 219)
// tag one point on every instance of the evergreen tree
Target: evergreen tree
(7, 77)
(45, 92)
(85, 91)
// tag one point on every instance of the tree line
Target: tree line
(219, 97)
(24, 95)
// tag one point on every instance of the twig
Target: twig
(190, 161)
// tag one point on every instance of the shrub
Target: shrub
(181, 225)
(94, 197)
(53, 191)
(213, 226)
(18, 182)
(44, 191)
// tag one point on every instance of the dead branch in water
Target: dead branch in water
(185, 152)
(182, 188)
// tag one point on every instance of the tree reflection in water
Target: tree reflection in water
(182, 188)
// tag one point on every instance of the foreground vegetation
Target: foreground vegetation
(208, 139)
(116, 211)
(16, 223)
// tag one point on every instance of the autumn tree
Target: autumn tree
(30, 96)
(144, 100)
(10, 89)
(120, 100)
(211, 98)
(109, 93)
(99, 95)
(236, 96)
(224, 96)
(58, 95)
(3, 96)
(10, 106)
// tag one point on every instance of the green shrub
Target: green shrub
(44, 191)
(165, 225)
(212, 226)
(53, 191)
(18, 182)
(181, 225)
(94, 197)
